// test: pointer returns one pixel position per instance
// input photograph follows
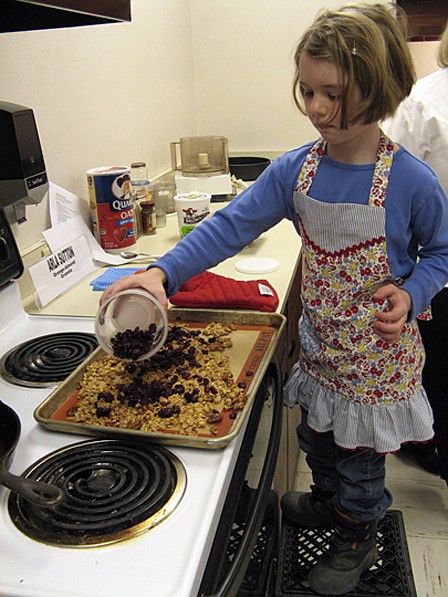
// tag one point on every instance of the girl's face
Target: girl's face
(321, 85)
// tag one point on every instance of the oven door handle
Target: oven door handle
(241, 559)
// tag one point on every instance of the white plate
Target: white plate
(257, 265)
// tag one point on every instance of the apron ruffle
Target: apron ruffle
(382, 428)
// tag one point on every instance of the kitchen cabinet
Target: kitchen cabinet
(292, 311)
(21, 15)
(425, 19)
(288, 353)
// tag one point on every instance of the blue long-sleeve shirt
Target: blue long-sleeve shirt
(416, 220)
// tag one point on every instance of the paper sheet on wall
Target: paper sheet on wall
(65, 205)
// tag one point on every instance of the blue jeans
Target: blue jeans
(356, 476)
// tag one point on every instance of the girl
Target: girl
(374, 227)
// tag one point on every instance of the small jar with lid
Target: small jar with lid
(139, 186)
(148, 216)
(139, 180)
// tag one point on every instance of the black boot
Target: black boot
(352, 552)
(312, 509)
(425, 455)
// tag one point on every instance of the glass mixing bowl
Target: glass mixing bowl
(131, 325)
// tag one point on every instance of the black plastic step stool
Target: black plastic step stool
(300, 549)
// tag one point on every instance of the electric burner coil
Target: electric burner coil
(114, 490)
(47, 360)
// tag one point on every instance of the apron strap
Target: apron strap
(381, 172)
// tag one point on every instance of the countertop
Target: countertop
(280, 242)
(209, 473)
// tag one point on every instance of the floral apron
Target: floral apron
(351, 381)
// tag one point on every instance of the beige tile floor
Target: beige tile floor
(423, 500)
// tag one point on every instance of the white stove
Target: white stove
(168, 560)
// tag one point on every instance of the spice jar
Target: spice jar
(148, 215)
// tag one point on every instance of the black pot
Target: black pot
(40, 493)
(247, 168)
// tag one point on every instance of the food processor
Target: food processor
(203, 166)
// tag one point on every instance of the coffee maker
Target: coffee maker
(23, 178)
(203, 167)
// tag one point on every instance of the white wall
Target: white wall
(244, 70)
(113, 94)
(102, 95)
(243, 60)
(424, 54)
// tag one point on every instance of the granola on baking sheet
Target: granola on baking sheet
(183, 388)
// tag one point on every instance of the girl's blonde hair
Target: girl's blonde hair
(368, 45)
(442, 54)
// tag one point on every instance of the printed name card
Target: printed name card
(60, 270)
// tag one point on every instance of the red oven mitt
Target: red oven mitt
(210, 290)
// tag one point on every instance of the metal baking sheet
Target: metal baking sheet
(254, 344)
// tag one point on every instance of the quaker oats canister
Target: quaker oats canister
(112, 207)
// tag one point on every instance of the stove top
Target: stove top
(166, 560)
(46, 360)
(113, 490)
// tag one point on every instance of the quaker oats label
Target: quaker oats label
(112, 207)
(60, 270)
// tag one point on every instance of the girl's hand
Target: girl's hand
(390, 321)
(151, 280)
